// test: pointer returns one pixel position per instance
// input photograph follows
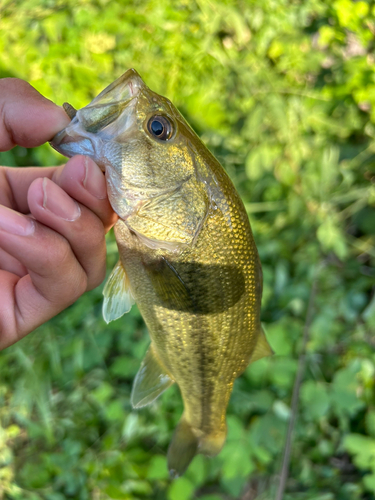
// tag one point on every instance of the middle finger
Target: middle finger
(83, 230)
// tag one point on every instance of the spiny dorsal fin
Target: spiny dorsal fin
(118, 298)
(262, 348)
(150, 381)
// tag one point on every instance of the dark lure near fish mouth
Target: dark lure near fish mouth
(187, 256)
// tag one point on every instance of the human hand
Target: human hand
(52, 220)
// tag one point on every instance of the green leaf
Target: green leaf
(369, 482)
(344, 398)
(370, 422)
(181, 489)
(363, 449)
(236, 460)
(369, 313)
(315, 399)
(102, 393)
(331, 236)
(158, 468)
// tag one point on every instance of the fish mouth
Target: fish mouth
(86, 129)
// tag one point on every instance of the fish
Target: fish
(187, 256)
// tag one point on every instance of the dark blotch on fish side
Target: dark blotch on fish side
(196, 288)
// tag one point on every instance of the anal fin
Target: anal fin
(118, 298)
(150, 381)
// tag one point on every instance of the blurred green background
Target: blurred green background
(283, 93)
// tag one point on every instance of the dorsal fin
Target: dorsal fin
(118, 298)
(262, 348)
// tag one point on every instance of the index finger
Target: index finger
(26, 117)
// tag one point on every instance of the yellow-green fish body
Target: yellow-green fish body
(187, 256)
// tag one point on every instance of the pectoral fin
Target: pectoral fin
(262, 348)
(150, 381)
(118, 299)
(169, 286)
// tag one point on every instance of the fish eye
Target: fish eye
(160, 127)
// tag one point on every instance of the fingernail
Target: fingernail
(15, 223)
(94, 180)
(58, 202)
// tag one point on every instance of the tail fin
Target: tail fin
(185, 445)
(211, 444)
(183, 448)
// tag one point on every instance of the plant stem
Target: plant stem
(295, 397)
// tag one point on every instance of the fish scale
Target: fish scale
(187, 256)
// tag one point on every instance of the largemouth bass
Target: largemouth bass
(187, 256)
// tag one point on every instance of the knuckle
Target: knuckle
(93, 236)
(78, 286)
(97, 236)
(14, 84)
(61, 264)
(70, 287)
(98, 278)
(60, 255)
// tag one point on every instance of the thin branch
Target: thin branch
(295, 397)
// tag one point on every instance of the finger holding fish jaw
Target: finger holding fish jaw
(84, 181)
(49, 258)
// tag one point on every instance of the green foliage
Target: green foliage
(284, 94)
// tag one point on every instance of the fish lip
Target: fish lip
(81, 144)
(126, 88)
(58, 138)
(131, 78)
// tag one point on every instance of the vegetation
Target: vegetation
(283, 93)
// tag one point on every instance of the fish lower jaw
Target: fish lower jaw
(72, 146)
